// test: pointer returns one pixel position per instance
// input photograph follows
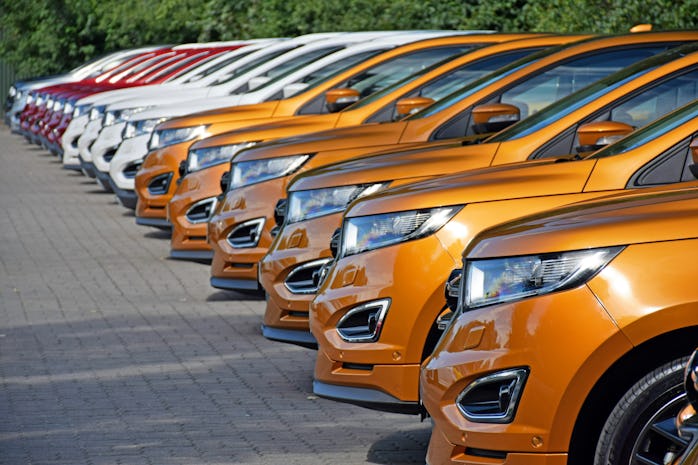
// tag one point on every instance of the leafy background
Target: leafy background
(47, 36)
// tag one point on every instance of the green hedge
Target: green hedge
(49, 36)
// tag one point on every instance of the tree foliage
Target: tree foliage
(48, 36)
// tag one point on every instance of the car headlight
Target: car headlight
(305, 205)
(140, 127)
(96, 113)
(126, 113)
(363, 233)
(165, 137)
(13, 91)
(69, 108)
(58, 105)
(49, 103)
(30, 98)
(119, 116)
(81, 109)
(497, 280)
(208, 156)
(245, 173)
(110, 117)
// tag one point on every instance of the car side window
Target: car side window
(669, 167)
(637, 109)
(534, 93)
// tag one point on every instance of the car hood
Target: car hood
(426, 160)
(633, 217)
(272, 128)
(365, 135)
(258, 110)
(503, 182)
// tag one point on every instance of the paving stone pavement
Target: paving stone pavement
(110, 353)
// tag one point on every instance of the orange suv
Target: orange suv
(570, 340)
(317, 198)
(156, 181)
(196, 197)
(240, 230)
(376, 317)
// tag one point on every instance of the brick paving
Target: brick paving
(110, 353)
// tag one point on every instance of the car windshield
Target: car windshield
(649, 132)
(329, 69)
(543, 87)
(397, 68)
(218, 66)
(447, 82)
(573, 102)
(252, 64)
(481, 83)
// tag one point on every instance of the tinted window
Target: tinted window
(441, 85)
(252, 65)
(338, 66)
(649, 132)
(669, 167)
(389, 72)
(218, 66)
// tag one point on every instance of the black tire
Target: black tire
(641, 427)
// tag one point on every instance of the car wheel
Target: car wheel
(641, 428)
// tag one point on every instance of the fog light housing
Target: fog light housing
(160, 184)
(305, 279)
(493, 398)
(247, 234)
(365, 322)
(201, 211)
(131, 169)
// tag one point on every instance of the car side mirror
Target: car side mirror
(452, 289)
(225, 181)
(293, 89)
(493, 117)
(257, 81)
(338, 99)
(182, 169)
(593, 136)
(334, 242)
(410, 105)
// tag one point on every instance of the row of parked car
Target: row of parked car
(490, 229)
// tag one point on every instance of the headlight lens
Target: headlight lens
(96, 113)
(110, 117)
(305, 205)
(69, 108)
(81, 109)
(119, 116)
(140, 127)
(251, 172)
(363, 233)
(208, 156)
(492, 281)
(58, 105)
(165, 137)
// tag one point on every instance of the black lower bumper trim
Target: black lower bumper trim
(73, 167)
(103, 180)
(365, 397)
(291, 336)
(194, 255)
(127, 198)
(160, 223)
(230, 284)
(88, 168)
